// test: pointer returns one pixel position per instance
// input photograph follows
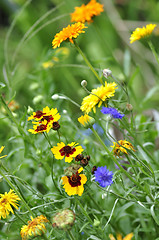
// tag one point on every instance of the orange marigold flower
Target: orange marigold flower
(119, 236)
(68, 33)
(85, 13)
(120, 148)
(68, 151)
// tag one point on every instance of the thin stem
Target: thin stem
(153, 50)
(70, 234)
(87, 62)
(21, 219)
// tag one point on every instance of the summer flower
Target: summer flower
(1, 149)
(86, 120)
(36, 227)
(98, 96)
(85, 13)
(119, 236)
(68, 151)
(142, 32)
(68, 33)
(7, 201)
(112, 111)
(74, 184)
(103, 176)
(117, 149)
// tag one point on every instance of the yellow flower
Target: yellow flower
(117, 149)
(98, 96)
(1, 149)
(68, 151)
(142, 32)
(85, 13)
(36, 227)
(69, 33)
(47, 64)
(119, 236)
(8, 200)
(74, 185)
(86, 120)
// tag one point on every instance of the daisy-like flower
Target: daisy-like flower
(119, 236)
(1, 149)
(68, 33)
(142, 32)
(68, 151)
(85, 13)
(98, 96)
(7, 201)
(74, 184)
(103, 176)
(86, 120)
(118, 149)
(36, 227)
(44, 120)
(113, 112)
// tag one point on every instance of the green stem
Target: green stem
(70, 234)
(21, 219)
(130, 161)
(87, 62)
(153, 50)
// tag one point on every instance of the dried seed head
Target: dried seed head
(64, 219)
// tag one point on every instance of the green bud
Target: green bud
(64, 219)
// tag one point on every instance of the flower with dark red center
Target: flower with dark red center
(74, 185)
(68, 151)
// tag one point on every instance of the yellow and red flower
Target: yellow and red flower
(120, 148)
(119, 236)
(68, 151)
(74, 184)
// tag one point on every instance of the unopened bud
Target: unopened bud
(88, 157)
(94, 169)
(84, 162)
(107, 73)
(84, 83)
(129, 107)
(30, 110)
(55, 97)
(37, 99)
(79, 157)
(55, 126)
(64, 219)
(96, 223)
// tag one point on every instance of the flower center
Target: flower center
(47, 118)
(74, 180)
(41, 128)
(39, 114)
(67, 150)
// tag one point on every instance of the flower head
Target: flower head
(120, 148)
(86, 120)
(113, 112)
(74, 184)
(64, 219)
(68, 33)
(68, 151)
(98, 96)
(142, 32)
(44, 120)
(119, 236)
(36, 227)
(1, 149)
(7, 201)
(103, 176)
(85, 13)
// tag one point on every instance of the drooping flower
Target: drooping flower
(44, 120)
(74, 184)
(68, 151)
(1, 149)
(103, 176)
(7, 201)
(68, 33)
(120, 148)
(63, 219)
(85, 13)
(112, 111)
(142, 32)
(86, 120)
(98, 96)
(36, 227)
(119, 237)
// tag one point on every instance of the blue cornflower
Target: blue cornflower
(112, 111)
(103, 176)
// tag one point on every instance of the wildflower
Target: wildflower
(1, 149)
(68, 33)
(64, 219)
(36, 227)
(47, 64)
(113, 112)
(7, 201)
(68, 151)
(85, 13)
(74, 184)
(119, 236)
(98, 96)
(86, 120)
(118, 148)
(142, 32)
(103, 176)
